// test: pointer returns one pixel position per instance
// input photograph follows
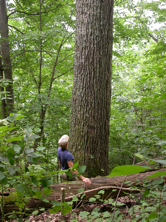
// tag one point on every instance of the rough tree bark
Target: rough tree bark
(89, 130)
(6, 61)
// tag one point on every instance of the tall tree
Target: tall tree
(42, 53)
(6, 61)
(89, 130)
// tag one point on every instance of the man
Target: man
(66, 159)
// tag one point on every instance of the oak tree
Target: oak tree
(89, 130)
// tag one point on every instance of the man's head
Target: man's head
(63, 141)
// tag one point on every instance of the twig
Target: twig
(63, 73)
(2, 205)
(117, 199)
(101, 188)
(62, 197)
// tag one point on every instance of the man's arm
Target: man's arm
(84, 179)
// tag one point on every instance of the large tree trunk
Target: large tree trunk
(89, 130)
(6, 56)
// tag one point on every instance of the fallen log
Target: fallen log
(71, 188)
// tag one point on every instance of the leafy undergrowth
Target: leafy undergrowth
(146, 206)
(89, 212)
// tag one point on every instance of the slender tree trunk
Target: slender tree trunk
(89, 130)
(6, 56)
(42, 111)
(2, 90)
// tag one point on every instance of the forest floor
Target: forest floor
(127, 205)
(90, 208)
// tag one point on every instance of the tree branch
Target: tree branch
(155, 39)
(102, 188)
(12, 13)
(62, 74)
(20, 53)
(55, 64)
(11, 26)
(65, 58)
(33, 14)
(34, 78)
(150, 35)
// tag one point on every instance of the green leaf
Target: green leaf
(69, 173)
(11, 156)
(12, 128)
(81, 169)
(4, 180)
(45, 182)
(29, 150)
(160, 161)
(38, 154)
(56, 203)
(19, 220)
(34, 180)
(75, 166)
(14, 117)
(139, 156)
(158, 174)
(17, 148)
(19, 116)
(2, 128)
(106, 214)
(11, 170)
(161, 142)
(101, 192)
(83, 195)
(38, 194)
(47, 191)
(3, 147)
(14, 139)
(97, 196)
(126, 170)
(34, 136)
(40, 148)
(66, 209)
(11, 118)
(162, 218)
(21, 188)
(45, 200)
(3, 134)
(2, 165)
(84, 214)
(75, 198)
(92, 199)
(146, 192)
(2, 176)
(80, 190)
(55, 209)
(35, 212)
(151, 216)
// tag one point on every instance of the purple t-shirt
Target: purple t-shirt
(64, 156)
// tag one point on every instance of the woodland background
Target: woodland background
(41, 50)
